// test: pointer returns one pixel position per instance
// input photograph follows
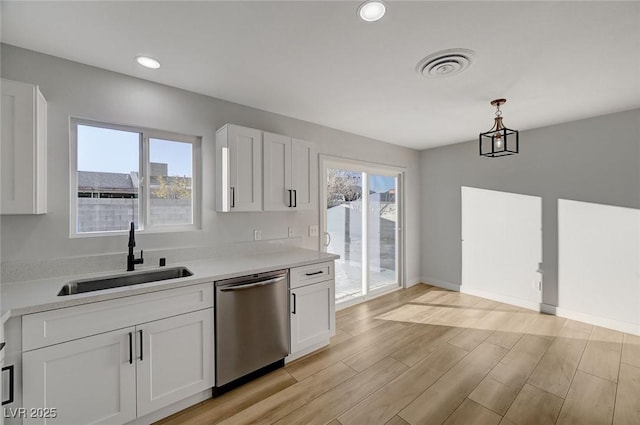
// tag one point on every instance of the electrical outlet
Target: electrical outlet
(313, 230)
(257, 235)
(292, 232)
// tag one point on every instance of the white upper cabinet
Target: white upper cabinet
(278, 193)
(304, 173)
(238, 169)
(290, 173)
(24, 149)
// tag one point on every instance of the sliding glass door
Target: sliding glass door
(382, 231)
(343, 230)
(362, 224)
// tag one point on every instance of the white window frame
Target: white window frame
(146, 134)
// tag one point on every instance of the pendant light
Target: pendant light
(500, 140)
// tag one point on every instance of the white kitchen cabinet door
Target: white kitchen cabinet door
(304, 174)
(11, 376)
(175, 359)
(239, 153)
(88, 381)
(278, 193)
(312, 314)
(290, 173)
(23, 149)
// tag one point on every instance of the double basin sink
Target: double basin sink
(124, 279)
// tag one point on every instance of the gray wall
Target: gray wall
(594, 160)
(77, 90)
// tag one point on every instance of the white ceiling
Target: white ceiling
(316, 61)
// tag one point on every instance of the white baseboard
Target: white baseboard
(441, 284)
(413, 281)
(531, 305)
(630, 328)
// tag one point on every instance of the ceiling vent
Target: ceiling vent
(445, 63)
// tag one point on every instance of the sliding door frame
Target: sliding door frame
(326, 162)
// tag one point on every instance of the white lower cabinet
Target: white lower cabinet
(175, 359)
(311, 315)
(86, 381)
(114, 377)
(312, 307)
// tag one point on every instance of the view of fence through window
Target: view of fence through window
(109, 176)
(170, 182)
(347, 209)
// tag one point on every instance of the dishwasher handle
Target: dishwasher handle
(251, 285)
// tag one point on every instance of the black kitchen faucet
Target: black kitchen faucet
(131, 258)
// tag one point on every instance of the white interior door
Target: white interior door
(502, 246)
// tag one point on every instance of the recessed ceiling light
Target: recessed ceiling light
(148, 62)
(372, 10)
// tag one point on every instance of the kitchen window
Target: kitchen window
(121, 174)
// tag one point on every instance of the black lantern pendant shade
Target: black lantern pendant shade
(500, 140)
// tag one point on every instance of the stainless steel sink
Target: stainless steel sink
(128, 279)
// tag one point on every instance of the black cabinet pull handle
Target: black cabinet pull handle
(130, 347)
(314, 273)
(295, 198)
(294, 303)
(11, 387)
(141, 348)
(290, 194)
(233, 197)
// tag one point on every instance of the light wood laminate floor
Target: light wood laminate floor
(425, 355)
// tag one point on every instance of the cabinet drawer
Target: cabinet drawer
(65, 324)
(306, 275)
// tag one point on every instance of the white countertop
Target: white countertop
(21, 298)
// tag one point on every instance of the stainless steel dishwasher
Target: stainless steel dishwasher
(252, 325)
